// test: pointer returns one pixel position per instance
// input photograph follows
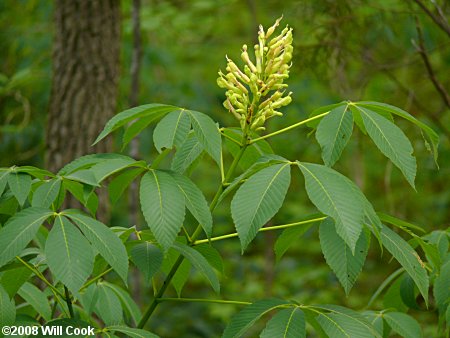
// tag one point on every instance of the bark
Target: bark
(85, 78)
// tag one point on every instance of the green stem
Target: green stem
(281, 131)
(194, 236)
(275, 227)
(160, 158)
(230, 138)
(202, 300)
(69, 302)
(41, 277)
(93, 280)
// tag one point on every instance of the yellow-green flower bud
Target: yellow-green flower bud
(246, 59)
(272, 29)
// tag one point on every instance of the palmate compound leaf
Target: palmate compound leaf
(338, 255)
(341, 322)
(287, 323)
(68, 254)
(172, 130)
(406, 326)
(200, 263)
(104, 240)
(195, 202)
(244, 319)
(333, 133)
(258, 200)
(338, 197)
(19, 231)
(162, 204)
(207, 133)
(123, 118)
(391, 141)
(407, 257)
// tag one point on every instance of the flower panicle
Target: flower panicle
(255, 92)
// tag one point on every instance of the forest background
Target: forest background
(390, 51)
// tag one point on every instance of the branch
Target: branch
(423, 53)
(441, 21)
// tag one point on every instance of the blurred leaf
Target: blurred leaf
(131, 332)
(441, 290)
(212, 256)
(121, 182)
(289, 237)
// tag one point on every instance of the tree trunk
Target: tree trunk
(85, 78)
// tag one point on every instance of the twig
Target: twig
(441, 21)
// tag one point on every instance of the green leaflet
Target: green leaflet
(207, 133)
(212, 256)
(345, 323)
(333, 133)
(68, 254)
(182, 275)
(12, 280)
(127, 302)
(110, 167)
(189, 151)
(289, 237)
(338, 197)
(46, 194)
(19, 231)
(441, 290)
(172, 130)
(338, 255)
(200, 263)
(407, 257)
(404, 325)
(37, 299)
(108, 305)
(195, 202)
(162, 204)
(3, 179)
(104, 240)
(7, 308)
(383, 107)
(244, 319)
(328, 108)
(391, 141)
(20, 186)
(121, 182)
(263, 162)
(123, 118)
(131, 332)
(287, 323)
(87, 161)
(258, 200)
(84, 176)
(136, 127)
(148, 259)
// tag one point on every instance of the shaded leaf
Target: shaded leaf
(244, 319)
(46, 194)
(189, 151)
(68, 254)
(7, 309)
(19, 231)
(128, 303)
(131, 332)
(37, 299)
(148, 259)
(200, 263)
(20, 185)
(207, 133)
(108, 305)
(404, 325)
(121, 182)
(338, 255)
